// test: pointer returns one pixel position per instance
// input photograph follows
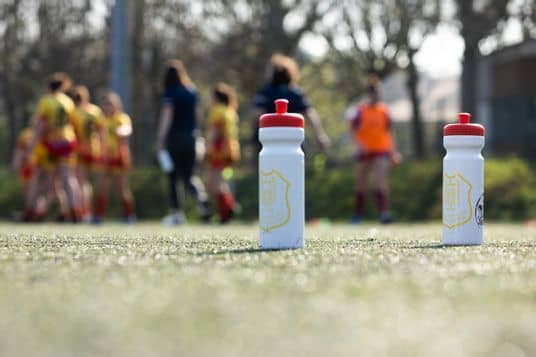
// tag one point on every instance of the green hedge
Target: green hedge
(416, 192)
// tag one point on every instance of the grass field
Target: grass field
(207, 291)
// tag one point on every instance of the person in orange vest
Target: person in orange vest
(375, 152)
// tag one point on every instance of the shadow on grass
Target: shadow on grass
(429, 246)
(443, 246)
(242, 251)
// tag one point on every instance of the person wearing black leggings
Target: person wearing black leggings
(177, 134)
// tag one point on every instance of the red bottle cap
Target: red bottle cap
(281, 117)
(464, 127)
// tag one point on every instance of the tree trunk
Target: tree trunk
(416, 119)
(140, 139)
(10, 108)
(9, 87)
(468, 92)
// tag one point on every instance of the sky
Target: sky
(442, 52)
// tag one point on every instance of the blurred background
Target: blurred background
(435, 58)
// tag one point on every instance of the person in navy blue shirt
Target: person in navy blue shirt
(283, 83)
(177, 133)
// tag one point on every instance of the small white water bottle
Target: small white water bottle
(165, 161)
(281, 179)
(463, 183)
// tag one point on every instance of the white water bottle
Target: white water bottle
(281, 179)
(463, 183)
(165, 161)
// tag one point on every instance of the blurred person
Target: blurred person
(90, 141)
(54, 135)
(223, 149)
(283, 84)
(116, 128)
(375, 152)
(26, 167)
(177, 133)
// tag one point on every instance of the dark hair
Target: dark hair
(81, 94)
(176, 74)
(225, 94)
(374, 83)
(59, 81)
(372, 88)
(284, 70)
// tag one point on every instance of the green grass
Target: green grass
(207, 291)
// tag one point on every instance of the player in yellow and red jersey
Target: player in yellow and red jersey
(116, 127)
(29, 166)
(375, 152)
(24, 168)
(223, 149)
(54, 130)
(87, 125)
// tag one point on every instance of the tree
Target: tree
(161, 30)
(10, 55)
(418, 18)
(527, 16)
(59, 39)
(478, 20)
(254, 31)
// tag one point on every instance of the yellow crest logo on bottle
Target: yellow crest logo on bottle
(457, 207)
(275, 204)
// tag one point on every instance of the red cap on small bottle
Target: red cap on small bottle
(281, 118)
(464, 127)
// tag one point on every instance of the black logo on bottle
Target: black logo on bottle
(479, 211)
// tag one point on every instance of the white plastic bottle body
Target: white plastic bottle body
(281, 188)
(463, 190)
(165, 161)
